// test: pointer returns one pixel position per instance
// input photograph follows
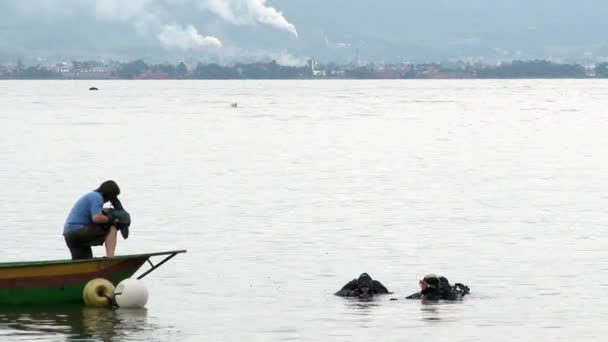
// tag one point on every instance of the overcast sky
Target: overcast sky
(293, 30)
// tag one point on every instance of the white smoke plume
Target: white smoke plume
(158, 19)
(339, 45)
(185, 38)
(241, 12)
(285, 58)
(238, 12)
(149, 18)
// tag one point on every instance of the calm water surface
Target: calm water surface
(502, 185)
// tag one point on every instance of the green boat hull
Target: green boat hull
(62, 281)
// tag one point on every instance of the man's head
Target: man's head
(109, 190)
(365, 285)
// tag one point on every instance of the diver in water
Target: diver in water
(435, 287)
(362, 287)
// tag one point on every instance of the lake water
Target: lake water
(501, 185)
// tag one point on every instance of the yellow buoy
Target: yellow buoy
(98, 293)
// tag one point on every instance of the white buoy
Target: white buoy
(131, 293)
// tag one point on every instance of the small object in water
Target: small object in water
(131, 293)
(234, 105)
(98, 293)
(93, 88)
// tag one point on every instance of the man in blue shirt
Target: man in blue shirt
(87, 225)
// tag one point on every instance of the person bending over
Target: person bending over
(89, 224)
(362, 287)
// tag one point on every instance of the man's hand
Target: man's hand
(111, 218)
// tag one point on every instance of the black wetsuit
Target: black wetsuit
(434, 294)
(445, 291)
(352, 289)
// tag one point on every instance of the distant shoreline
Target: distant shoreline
(140, 70)
(309, 79)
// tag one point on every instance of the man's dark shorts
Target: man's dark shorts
(80, 241)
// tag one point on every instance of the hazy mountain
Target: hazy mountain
(293, 30)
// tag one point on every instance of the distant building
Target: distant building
(389, 73)
(61, 68)
(94, 73)
(312, 65)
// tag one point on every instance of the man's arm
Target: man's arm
(96, 207)
(100, 219)
(416, 295)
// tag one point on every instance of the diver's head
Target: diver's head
(364, 283)
(443, 282)
(429, 281)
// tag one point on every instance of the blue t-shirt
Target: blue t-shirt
(83, 211)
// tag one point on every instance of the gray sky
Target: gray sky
(293, 30)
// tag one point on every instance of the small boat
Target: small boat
(62, 281)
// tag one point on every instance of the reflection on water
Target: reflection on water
(440, 311)
(362, 306)
(430, 312)
(75, 323)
